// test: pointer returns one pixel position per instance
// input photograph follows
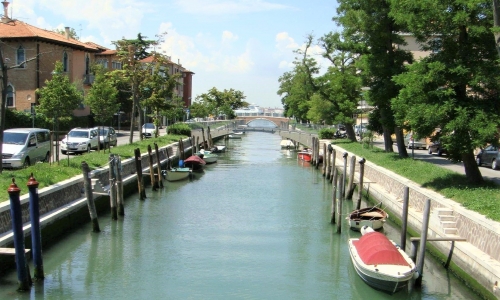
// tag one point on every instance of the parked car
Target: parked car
(436, 147)
(79, 140)
(107, 136)
(359, 128)
(489, 156)
(25, 146)
(148, 130)
(410, 142)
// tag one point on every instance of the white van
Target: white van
(25, 146)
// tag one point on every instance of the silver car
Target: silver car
(411, 142)
(107, 136)
(489, 156)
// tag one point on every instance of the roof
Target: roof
(374, 248)
(15, 29)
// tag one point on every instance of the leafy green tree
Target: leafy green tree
(198, 110)
(369, 24)
(222, 102)
(102, 97)
(59, 97)
(455, 88)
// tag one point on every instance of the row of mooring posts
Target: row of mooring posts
(23, 272)
(418, 244)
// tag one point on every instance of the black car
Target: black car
(436, 147)
(489, 156)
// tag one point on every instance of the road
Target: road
(487, 172)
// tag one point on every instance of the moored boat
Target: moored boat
(194, 162)
(176, 174)
(208, 156)
(286, 144)
(305, 155)
(380, 262)
(372, 216)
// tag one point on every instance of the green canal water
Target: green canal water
(254, 225)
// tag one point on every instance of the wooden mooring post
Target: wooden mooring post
(361, 175)
(119, 185)
(340, 202)
(423, 238)
(36, 238)
(154, 184)
(404, 217)
(138, 169)
(325, 159)
(334, 198)
(90, 197)
(344, 175)
(112, 187)
(158, 166)
(334, 156)
(351, 185)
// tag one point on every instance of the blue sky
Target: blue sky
(245, 45)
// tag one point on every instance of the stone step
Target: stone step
(443, 211)
(446, 218)
(449, 224)
(452, 231)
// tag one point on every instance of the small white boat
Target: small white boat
(218, 149)
(373, 217)
(208, 156)
(286, 144)
(380, 262)
(234, 136)
(176, 174)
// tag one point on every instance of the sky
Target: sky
(244, 45)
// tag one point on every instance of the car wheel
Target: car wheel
(494, 165)
(88, 148)
(440, 152)
(26, 162)
(430, 151)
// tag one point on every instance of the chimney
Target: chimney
(5, 11)
(66, 29)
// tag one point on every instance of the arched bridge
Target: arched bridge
(280, 122)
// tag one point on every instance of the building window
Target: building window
(10, 96)
(116, 65)
(21, 57)
(87, 64)
(103, 62)
(65, 62)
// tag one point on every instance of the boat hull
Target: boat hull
(305, 156)
(177, 174)
(210, 159)
(373, 217)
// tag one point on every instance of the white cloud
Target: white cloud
(222, 7)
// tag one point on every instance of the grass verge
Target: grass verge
(484, 199)
(49, 174)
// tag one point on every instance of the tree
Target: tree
(59, 97)
(102, 97)
(222, 102)
(368, 22)
(455, 88)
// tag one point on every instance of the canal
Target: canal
(254, 225)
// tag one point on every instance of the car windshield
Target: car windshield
(103, 131)
(149, 126)
(14, 138)
(78, 134)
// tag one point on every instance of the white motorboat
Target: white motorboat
(286, 144)
(380, 262)
(176, 174)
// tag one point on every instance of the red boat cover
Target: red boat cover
(374, 248)
(195, 159)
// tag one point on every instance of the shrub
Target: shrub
(326, 133)
(179, 129)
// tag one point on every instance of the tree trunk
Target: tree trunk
(496, 23)
(400, 141)
(472, 169)
(351, 135)
(387, 140)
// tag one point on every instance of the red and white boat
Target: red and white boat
(305, 155)
(380, 262)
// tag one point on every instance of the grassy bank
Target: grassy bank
(484, 199)
(49, 174)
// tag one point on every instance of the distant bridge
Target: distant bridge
(279, 122)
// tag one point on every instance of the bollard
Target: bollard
(36, 239)
(323, 167)
(112, 187)
(350, 189)
(23, 276)
(361, 175)
(404, 217)
(119, 185)
(158, 166)
(203, 136)
(138, 169)
(327, 165)
(423, 242)
(90, 197)
(154, 184)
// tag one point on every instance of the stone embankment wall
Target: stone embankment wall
(479, 256)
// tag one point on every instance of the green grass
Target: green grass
(49, 174)
(484, 199)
